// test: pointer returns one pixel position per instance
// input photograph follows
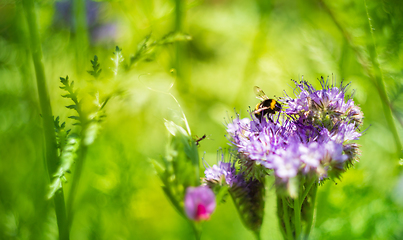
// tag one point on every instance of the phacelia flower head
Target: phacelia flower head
(324, 107)
(311, 136)
(199, 203)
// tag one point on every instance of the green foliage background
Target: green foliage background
(235, 45)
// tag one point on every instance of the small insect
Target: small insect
(199, 139)
(266, 106)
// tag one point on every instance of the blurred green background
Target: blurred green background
(235, 45)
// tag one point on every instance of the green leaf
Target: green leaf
(174, 37)
(158, 167)
(179, 168)
(175, 129)
(68, 154)
(96, 70)
(74, 117)
(72, 106)
(117, 59)
(146, 48)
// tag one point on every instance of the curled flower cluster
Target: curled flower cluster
(311, 136)
(247, 193)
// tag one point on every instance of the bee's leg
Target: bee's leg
(269, 117)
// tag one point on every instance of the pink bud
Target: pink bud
(199, 203)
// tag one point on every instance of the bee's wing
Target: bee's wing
(259, 93)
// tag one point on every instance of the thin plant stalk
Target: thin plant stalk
(81, 29)
(257, 235)
(297, 218)
(313, 191)
(75, 183)
(196, 229)
(380, 83)
(377, 81)
(286, 219)
(180, 57)
(47, 116)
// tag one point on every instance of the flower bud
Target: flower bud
(199, 203)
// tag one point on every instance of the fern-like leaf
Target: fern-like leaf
(96, 70)
(61, 133)
(68, 154)
(117, 59)
(142, 49)
(146, 47)
(73, 95)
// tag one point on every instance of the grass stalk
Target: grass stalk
(46, 112)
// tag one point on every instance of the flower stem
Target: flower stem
(312, 193)
(46, 112)
(196, 229)
(297, 218)
(306, 191)
(286, 219)
(257, 235)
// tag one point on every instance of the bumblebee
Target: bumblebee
(266, 106)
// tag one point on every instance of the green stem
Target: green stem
(289, 204)
(287, 219)
(196, 229)
(380, 82)
(297, 218)
(311, 213)
(80, 26)
(47, 116)
(74, 183)
(377, 81)
(257, 235)
(306, 191)
(180, 61)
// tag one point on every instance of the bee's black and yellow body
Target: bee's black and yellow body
(268, 106)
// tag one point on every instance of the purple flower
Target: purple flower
(224, 172)
(258, 140)
(199, 203)
(311, 135)
(325, 107)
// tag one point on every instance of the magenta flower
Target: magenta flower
(199, 203)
